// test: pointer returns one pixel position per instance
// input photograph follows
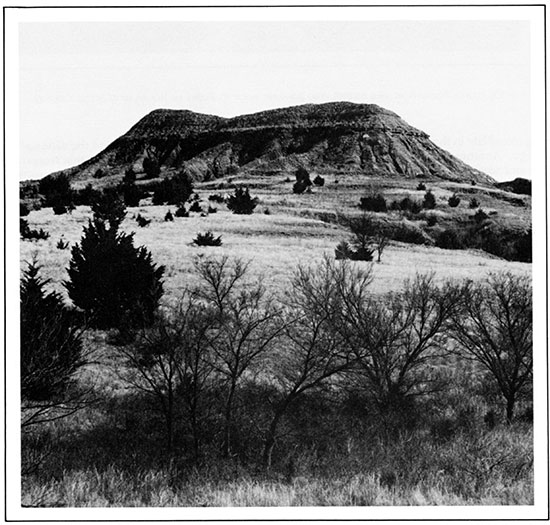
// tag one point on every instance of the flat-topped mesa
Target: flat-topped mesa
(336, 137)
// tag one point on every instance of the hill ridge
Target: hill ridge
(330, 137)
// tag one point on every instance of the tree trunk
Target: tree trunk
(226, 447)
(269, 442)
(510, 405)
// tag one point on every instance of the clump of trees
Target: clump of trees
(237, 372)
(174, 190)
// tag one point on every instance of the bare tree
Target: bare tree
(496, 329)
(170, 361)
(248, 323)
(312, 351)
(395, 337)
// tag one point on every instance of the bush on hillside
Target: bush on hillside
(319, 181)
(174, 190)
(375, 203)
(474, 203)
(207, 239)
(241, 202)
(454, 200)
(27, 233)
(450, 239)
(429, 200)
(23, 209)
(181, 211)
(303, 181)
(151, 168)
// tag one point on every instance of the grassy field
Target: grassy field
(289, 235)
(106, 455)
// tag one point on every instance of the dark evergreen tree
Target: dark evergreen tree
(429, 200)
(109, 206)
(115, 283)
(51, 346)
(241, 202)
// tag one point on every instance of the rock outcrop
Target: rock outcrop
(339, 137)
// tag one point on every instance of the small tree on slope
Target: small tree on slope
(115, 283)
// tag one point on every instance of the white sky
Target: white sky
(465, 83)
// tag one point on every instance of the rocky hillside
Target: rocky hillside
(339, 137)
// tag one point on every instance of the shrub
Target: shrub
(267, 211)
(142, 221)
(454, 200)
(109, 207)
(431, 220)
(343, 251)
(59, 209)
(115, 283)
(421, 186)
(241, 202)
(86, 196)
(407, 204)
(131, 194)
(23, 209)
(129, 175)
(480, 216)
(319, 181)
(29, 234)
(474, 203)
(62, 244)
(151, 168)
(174, 190)
(429, 200)
(168, 216)
(207, 239)
(299, 187)
(409, 233)
(51, 346)
(376, 203)
(523, 247)
(99, 174)
(196, 207)
(211, 209)
(181, 211)
(303, 182)
(217, 197)
(450, 239)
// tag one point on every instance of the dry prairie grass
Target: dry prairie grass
(275, 244)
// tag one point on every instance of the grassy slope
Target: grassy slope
(288, 236)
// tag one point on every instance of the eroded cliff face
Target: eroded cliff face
(324, 138)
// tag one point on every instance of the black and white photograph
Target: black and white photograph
(275, 262)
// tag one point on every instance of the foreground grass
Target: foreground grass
(114, 488)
